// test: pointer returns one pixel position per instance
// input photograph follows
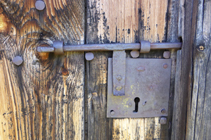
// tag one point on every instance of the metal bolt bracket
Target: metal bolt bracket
(58, 47)
(145, 47)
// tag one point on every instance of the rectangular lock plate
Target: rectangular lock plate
(147, 86)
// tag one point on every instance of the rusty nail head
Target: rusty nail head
(118, 88)
(112, 112)
(134, 54)
(119, 77)
(163, 120)
(141, 68)
(89, 56)
(18, 60)
(40, 5)
(166, 54)
(165, 66)
(201, 48)
(163, 111)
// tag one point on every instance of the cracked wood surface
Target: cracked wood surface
(44, 97)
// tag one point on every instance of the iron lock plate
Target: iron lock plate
(147, 85)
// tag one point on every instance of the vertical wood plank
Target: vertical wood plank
(126, 22)
(8, 118)
(183, 85)
(46, 93)
(172, 36)
(199, 118)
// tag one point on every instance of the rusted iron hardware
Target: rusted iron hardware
(144, 84)
(143, 47)
(136, 87)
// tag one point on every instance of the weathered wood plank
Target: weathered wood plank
(125, 22)
(7, 117)
(172, 36)
(48, 90)
(199, 118)
(186, 30)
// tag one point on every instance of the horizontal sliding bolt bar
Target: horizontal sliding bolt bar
(106, 47)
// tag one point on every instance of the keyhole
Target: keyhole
(136, 100)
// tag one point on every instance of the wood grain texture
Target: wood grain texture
(44, 97)
(123, 22)
(183, 82)
(172, 36)
(199, 112)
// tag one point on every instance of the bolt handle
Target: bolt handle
(144, 47)
(57, 48)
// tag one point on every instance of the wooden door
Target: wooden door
(64, 96)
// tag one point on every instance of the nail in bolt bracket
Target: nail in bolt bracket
(136, 87)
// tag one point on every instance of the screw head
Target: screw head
(141, 69)
(40, 5)
(112, 112)
(89, 56)
(165, 66)
(166, 54)
(118, 88)
(18, 60)
(163, 111)
(134, 54)
(201, 48)
(163, 120)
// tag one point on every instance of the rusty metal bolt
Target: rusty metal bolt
(141, 68)
(163, 111)
(165, 66)
(40, 5)
(112, 112)
(166, 54)
(118, 88)
(89, 56)
(18, 60)
(134, 54)
(163, 120)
